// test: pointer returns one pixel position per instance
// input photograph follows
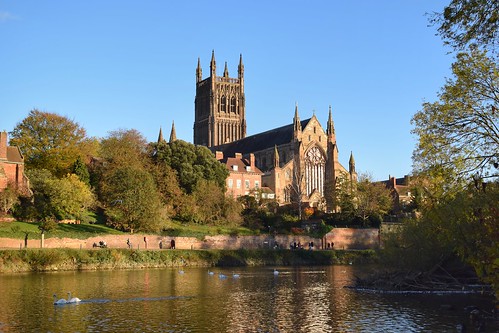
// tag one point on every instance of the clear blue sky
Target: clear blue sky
(112, 65)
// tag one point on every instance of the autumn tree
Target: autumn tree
(124, 147)
(126, 187)
(371, 200)
(60, 198)
(130, 199)
(459, 134)
(465, 22)
(9, 197)
(214, 207)
(50, 141)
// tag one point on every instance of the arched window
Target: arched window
(223, 104)
(233, 105)
(315, 167)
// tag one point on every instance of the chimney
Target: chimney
(3, 145)
(219, 155)
(393, 181)
(238, 156)
(252, 160)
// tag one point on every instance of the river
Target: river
(298, 299)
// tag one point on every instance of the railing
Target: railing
(227, 79)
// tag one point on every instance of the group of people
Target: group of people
(172, 244)
(299, 245)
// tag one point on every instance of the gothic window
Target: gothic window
(223, 104)
(315, 166)
(233, 105)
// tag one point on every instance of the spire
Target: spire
(160, 136)
(226, 71)
(199, 72)
(296, 123)
(351, 163)
(240, 68)
(213, 65)
(173, 135)
(330, 124)
(276, 157)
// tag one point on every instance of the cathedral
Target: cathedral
(299, 161)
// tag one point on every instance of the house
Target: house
(11, 166)
(244, 177)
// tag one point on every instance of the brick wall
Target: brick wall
(349, 238)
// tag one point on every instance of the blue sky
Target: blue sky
(112, 65)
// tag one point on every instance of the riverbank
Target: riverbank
(65, 259)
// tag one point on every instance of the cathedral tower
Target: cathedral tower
(219, 106)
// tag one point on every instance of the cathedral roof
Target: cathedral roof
(261, 141)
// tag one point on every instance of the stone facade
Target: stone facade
(219, 106)
(299, 161)
(11, 166)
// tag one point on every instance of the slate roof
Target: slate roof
(241, 165)
(261, 141)
(14, 155)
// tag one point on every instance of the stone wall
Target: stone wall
(342, 238)
(153, 242)
(349, 238)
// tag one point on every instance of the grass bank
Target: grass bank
(39, 260)
(18, 230)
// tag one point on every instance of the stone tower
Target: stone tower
(219, 106)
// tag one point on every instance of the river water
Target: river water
(298, 299)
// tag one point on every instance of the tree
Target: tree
(124, 147)
(297, 188)
(459, 134)
(372, 200)
(131, 199)
(9, 197)
(191, 163)
(50, 141)
(71, 198)
(65, 198)
(168, 187)
(80, 169)
(464, 22)
(214, 207)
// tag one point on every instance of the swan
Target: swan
(181, 272)
(276, 272)
(73, 300)
(210, 272)
(235, 276)
(222, 276)
(61, 301)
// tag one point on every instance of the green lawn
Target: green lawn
(18, 230)
(198, 230)
(80, 231)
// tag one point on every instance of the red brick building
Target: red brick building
(244, 177)
(11, 166)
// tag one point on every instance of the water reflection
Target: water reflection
(301, 299)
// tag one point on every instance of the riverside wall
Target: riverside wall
(339, 238)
